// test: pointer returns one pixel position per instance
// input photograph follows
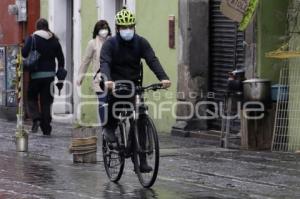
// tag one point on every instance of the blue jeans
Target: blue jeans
(102, 99)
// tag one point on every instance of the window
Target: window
(120, 4)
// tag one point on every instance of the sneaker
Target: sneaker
(35, 126)
(109, 135)
(144, 167)
(46, 130)
(47, 133)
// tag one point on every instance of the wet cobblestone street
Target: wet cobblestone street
(189, 168)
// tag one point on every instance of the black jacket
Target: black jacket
(49, 48)
(120, 59)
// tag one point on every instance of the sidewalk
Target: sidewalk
(189, 168)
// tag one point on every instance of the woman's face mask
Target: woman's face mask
(103, 33)
(127, 34)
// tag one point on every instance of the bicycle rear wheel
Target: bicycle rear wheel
(147, 148)
(113, 156)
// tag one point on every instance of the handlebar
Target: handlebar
(153, 87)
(126, 88)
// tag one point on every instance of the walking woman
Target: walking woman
(92, 55)
(42, 78)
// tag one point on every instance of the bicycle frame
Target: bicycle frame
(139, 109)
(134, 125)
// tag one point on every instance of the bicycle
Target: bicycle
(129, 143)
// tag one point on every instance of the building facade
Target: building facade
(13, 29)
(73, 22)
(195, 43)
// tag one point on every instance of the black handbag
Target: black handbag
(31, 62)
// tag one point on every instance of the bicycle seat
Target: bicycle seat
(124, 89)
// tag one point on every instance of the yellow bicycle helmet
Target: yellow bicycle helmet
(125, 18)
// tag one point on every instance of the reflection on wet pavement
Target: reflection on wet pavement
(188, 170)
(26, 176)
(112, 191)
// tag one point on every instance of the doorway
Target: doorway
(224, 42)
(108, 10)
(61, 22)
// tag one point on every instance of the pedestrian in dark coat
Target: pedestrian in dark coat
(41, 90)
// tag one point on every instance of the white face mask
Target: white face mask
(103, 33)
(127, 34)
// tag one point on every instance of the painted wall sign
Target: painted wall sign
(11, 55)
(2, 59)
(241, 11)
(2, 76)
(239, 5)
(234, 9)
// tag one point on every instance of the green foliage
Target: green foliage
(248, 14)
(21, 133)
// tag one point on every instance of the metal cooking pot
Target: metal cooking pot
(257, 90)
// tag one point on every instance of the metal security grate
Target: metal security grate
(226, 54)
(286, 134)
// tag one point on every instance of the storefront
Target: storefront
(227, 53)
(13, 30)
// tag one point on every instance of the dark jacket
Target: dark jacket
(120, 59)
(49, 48)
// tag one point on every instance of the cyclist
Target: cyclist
(120, 59)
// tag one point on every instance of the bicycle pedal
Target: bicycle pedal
(113, 145)
(128, 155)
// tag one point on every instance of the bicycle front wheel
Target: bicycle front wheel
(146, 153)
(113, 157)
